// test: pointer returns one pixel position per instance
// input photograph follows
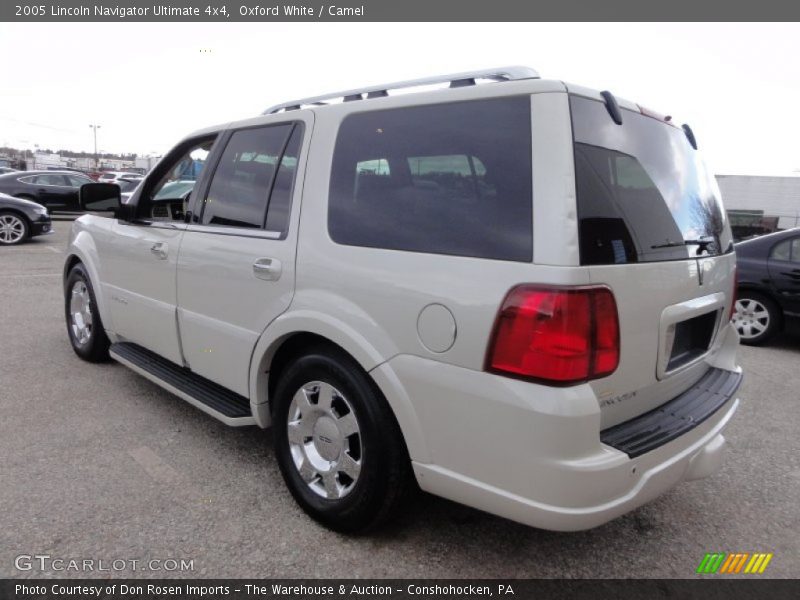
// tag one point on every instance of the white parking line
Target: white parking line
(24, 275)
(176, 485)
(154, 466)
(54, 249)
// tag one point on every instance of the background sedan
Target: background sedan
(57, 190)
(21, 219)
(769, 285)
(115, 176)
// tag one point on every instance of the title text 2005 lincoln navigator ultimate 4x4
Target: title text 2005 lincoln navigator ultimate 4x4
(513, 292)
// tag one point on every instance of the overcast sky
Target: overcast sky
(147, 85)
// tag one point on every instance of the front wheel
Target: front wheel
(756, 317)
(13, 229)
(86, 333)
(338, 445)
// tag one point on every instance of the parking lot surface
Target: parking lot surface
(98, 463)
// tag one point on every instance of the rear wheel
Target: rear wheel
(338, 444)
(86, 332)
(13, 228)
(757, 318)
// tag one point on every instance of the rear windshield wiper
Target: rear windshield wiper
(702, 244)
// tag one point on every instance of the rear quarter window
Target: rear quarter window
(443, 179)
(787, 250)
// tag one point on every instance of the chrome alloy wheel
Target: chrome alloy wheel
(12, 229)
(324, 439)
(80, 310)
(751, 318)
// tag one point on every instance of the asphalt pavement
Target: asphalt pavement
(97, 463)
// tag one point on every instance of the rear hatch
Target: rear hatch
(652, 228)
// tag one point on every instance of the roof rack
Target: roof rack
(379, 91)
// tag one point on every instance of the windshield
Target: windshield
(643, 192)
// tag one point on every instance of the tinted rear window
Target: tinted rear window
(443, 179)
(643, 192)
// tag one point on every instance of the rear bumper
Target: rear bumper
(676, 417)
(648, 481)
(533, 454)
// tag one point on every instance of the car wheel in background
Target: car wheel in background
(337, 442)
(756, 317)
(86, 332)
(13, 228)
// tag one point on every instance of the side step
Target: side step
(219, 402)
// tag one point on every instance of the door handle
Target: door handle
(159, 250)
(268, 269)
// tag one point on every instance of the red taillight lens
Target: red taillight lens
(557, 335)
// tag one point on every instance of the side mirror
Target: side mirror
(100, 197)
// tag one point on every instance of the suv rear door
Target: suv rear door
(652, 228)
(237, 258)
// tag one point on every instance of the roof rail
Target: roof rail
(378, 91)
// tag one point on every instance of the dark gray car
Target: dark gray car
(768, 285)
(21, 219)
(57, 190)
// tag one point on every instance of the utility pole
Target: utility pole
(96, 159)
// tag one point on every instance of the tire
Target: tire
(14, 228)
(85, 329)
(757, 318)
(339, 418)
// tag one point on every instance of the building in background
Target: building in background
(760, 204)
(54, 161)
(146, 163)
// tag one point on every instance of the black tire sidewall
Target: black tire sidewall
(97, 348)
(775, 317)
(27, 227)
(380, 446)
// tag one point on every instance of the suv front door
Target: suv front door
(237, 258)
(142, 257)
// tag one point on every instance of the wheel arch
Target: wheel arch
(81, 250)
(18, 213)
(287, 336)
(69, 263)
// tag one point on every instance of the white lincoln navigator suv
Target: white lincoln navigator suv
(512, 292)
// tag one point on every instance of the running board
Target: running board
(219, 402)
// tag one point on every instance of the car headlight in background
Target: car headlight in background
(40, 210)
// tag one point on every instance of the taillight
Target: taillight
(559, 336)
